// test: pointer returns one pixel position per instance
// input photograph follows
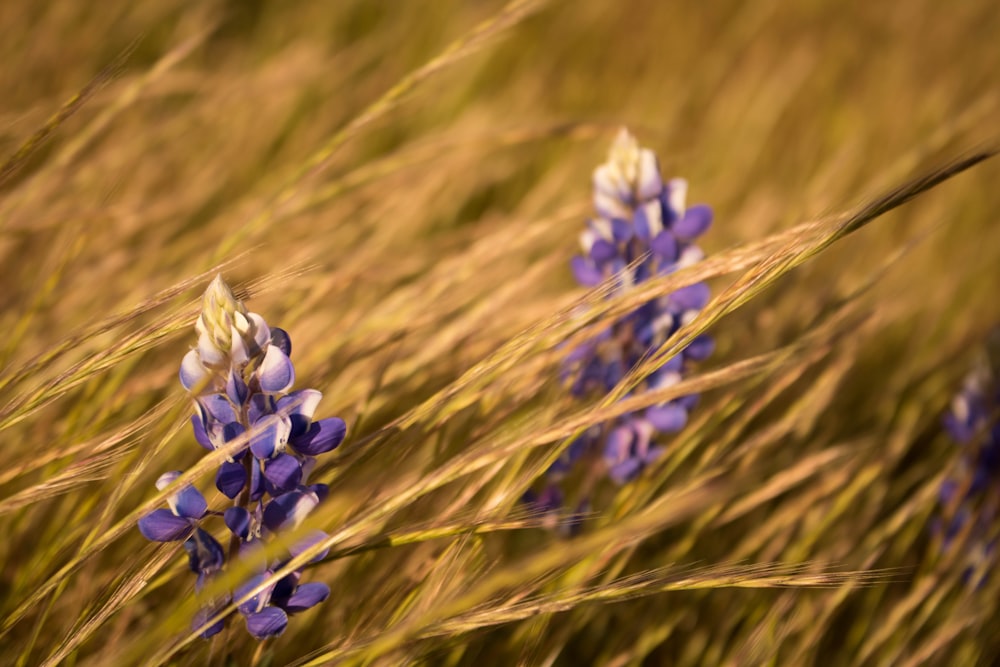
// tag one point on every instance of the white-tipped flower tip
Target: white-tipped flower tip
(630, 176)
(624, 157)
(229, 335)
(218, 309)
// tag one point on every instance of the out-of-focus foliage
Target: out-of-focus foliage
(400, 186)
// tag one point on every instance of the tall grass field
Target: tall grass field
(402, 186)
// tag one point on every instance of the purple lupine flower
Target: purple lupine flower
(187, 509)
(266, 612)
(241, 376)
(642, 229)
(969, 498)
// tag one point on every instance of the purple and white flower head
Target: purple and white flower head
(642, 228)
(240, 376)
(969, 498)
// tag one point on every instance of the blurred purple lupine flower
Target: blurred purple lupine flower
(642, 229)
(241, 376)
(970, 497)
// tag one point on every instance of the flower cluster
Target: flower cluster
(970, 496)
(642, 229)
(240, 376)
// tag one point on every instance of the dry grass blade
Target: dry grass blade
(70, 107)
(512, 13)
(130, 586)
(627, 588)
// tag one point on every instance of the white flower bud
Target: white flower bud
(229, 337)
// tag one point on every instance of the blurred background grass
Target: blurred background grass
(401, 185)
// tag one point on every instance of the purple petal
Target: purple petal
(667, 418)
(585, 272)
(642, 271)
(201, 617)
(619, 444)
(961, 431)
(200, 435)
(321, 437)
(603, 251)
(164, 526)
(189, 503)
(205, 554)
(689, 402)
(284, 471)
(672, 365)
(614, 372)
(696, 221)
(236, 388)
(947, 491)
(692, 297)
(281, 340)
(314, 537)
(625, 471)
(640, 219)
(238, 521)
(306, 596)
(300, 407)
(232, 430)
(276, 373)
(580, 352)
(231, 478)
(700, 348)
(258, 600)
(270, 434)
(269, 622)
(256, 481)
(261, 405)
(288, 510)
(193, 373)
(665, 246)
(285, 588)
(621, 230)
(302, 402)
(219, 409)
(549, 500)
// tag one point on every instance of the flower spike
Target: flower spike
(240, 377)
(642, 229)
